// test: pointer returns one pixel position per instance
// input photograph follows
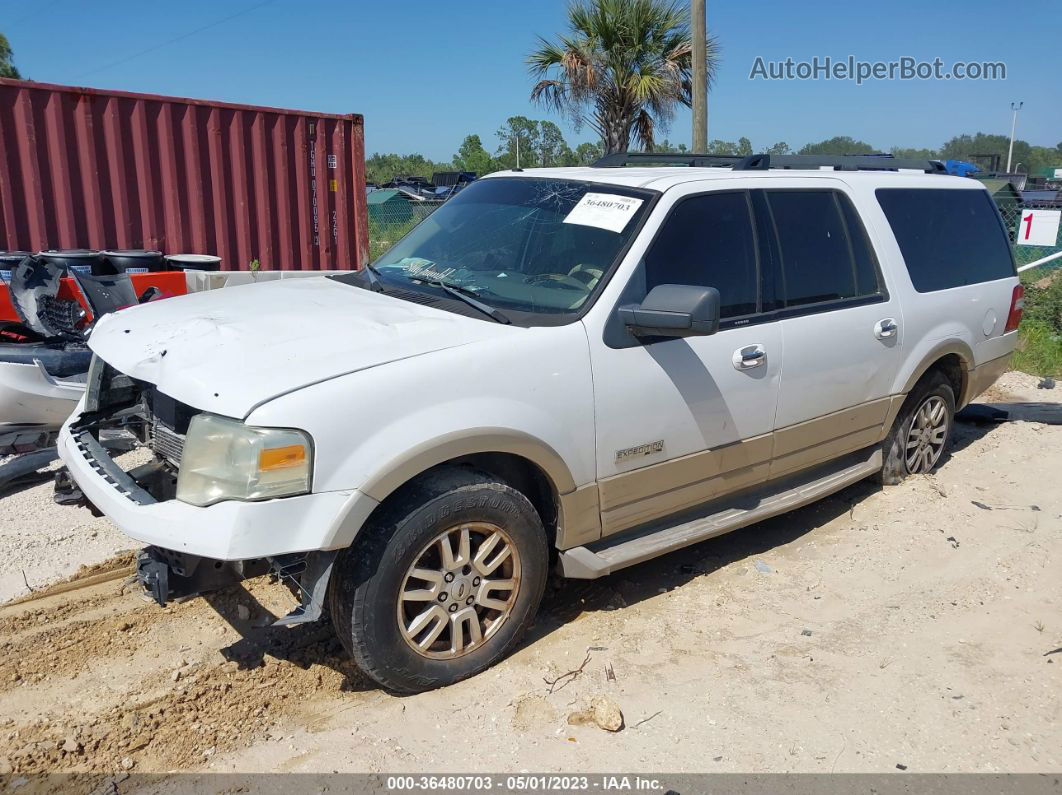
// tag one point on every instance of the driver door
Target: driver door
(683, 421)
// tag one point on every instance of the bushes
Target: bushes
(1040, 336)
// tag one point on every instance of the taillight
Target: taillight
(1017, 305)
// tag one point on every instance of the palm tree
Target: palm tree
(622, 68)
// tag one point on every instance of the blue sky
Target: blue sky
(425, 74)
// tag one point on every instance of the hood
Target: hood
(229, 350)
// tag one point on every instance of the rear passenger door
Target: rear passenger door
(841, 328)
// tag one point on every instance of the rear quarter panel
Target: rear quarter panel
(967, 320)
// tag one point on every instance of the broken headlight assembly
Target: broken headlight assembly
(224, 459)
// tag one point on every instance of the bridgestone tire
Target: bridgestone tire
(363, 595)
(894, 468)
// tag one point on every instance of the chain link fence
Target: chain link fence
(1014, 215)
(391, 217)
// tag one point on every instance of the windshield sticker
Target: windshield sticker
(604, 210)
(420, 268)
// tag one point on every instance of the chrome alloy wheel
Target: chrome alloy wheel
(926, 437)
(459, 591)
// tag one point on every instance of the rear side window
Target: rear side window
(707, 241)
(948, 237)
(824, 251)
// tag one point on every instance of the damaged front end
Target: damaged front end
(119, 406)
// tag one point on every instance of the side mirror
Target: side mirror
(674, 310)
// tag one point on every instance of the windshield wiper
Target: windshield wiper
(468, 297)
(372, 276)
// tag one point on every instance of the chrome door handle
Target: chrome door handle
(750, 356)
(885, 328)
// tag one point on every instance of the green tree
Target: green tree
(780, 148)
(553, 150)
(915, 153)
(838, 145)
(471, 156)
(622, 68)
(381, 168)
(587, 153)
(669, 148)
(744, 147)
(522, 134)
(7, 68)
(718, 146)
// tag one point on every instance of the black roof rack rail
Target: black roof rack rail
(763, 162)
(839, 163)
(619, 159)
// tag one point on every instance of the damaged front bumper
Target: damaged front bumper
(191, 549)
(167, 576)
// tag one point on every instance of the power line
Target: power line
(33, 13)
(174, 40)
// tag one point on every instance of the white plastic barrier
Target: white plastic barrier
(198, 281)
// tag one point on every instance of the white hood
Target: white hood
(229, 350)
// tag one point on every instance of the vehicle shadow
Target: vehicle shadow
(982, 424)
(571, 598)
(302, 645)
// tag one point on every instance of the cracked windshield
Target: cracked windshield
(533, 245)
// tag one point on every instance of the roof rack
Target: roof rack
(619, 159)
(763, 162)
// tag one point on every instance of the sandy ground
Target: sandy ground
(918, 625)
(41, 542)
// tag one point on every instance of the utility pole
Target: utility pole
(1015, 107)
(698, 12)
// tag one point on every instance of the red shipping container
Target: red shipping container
(85, 168)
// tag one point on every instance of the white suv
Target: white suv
(574, 368)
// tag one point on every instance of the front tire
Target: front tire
(443, 583)
(921, 431)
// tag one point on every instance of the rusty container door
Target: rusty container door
(84, 168)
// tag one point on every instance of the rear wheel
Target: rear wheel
(921, 431)
(443, 584)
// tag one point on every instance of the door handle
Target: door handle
(750, 356)
(885, 328)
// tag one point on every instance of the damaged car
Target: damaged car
(570, 370)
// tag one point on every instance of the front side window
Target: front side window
(708, 241)
(825, 255)
(541, 246)
(948, 237)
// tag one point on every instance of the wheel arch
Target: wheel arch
(528, 464)
(952, 357)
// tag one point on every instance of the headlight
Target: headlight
(224, 459)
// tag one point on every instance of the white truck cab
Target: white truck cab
(575, 369)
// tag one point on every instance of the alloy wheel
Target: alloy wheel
(927, 435)
(459, 591)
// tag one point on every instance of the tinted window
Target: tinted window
(707, 241)
(948, 237)
(821, 259)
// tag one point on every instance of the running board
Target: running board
(605, 557)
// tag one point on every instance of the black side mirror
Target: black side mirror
(674, 310)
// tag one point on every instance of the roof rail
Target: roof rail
(618, 159)
(763, 162)
(839, 163)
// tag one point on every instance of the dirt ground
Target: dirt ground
(918, 625)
